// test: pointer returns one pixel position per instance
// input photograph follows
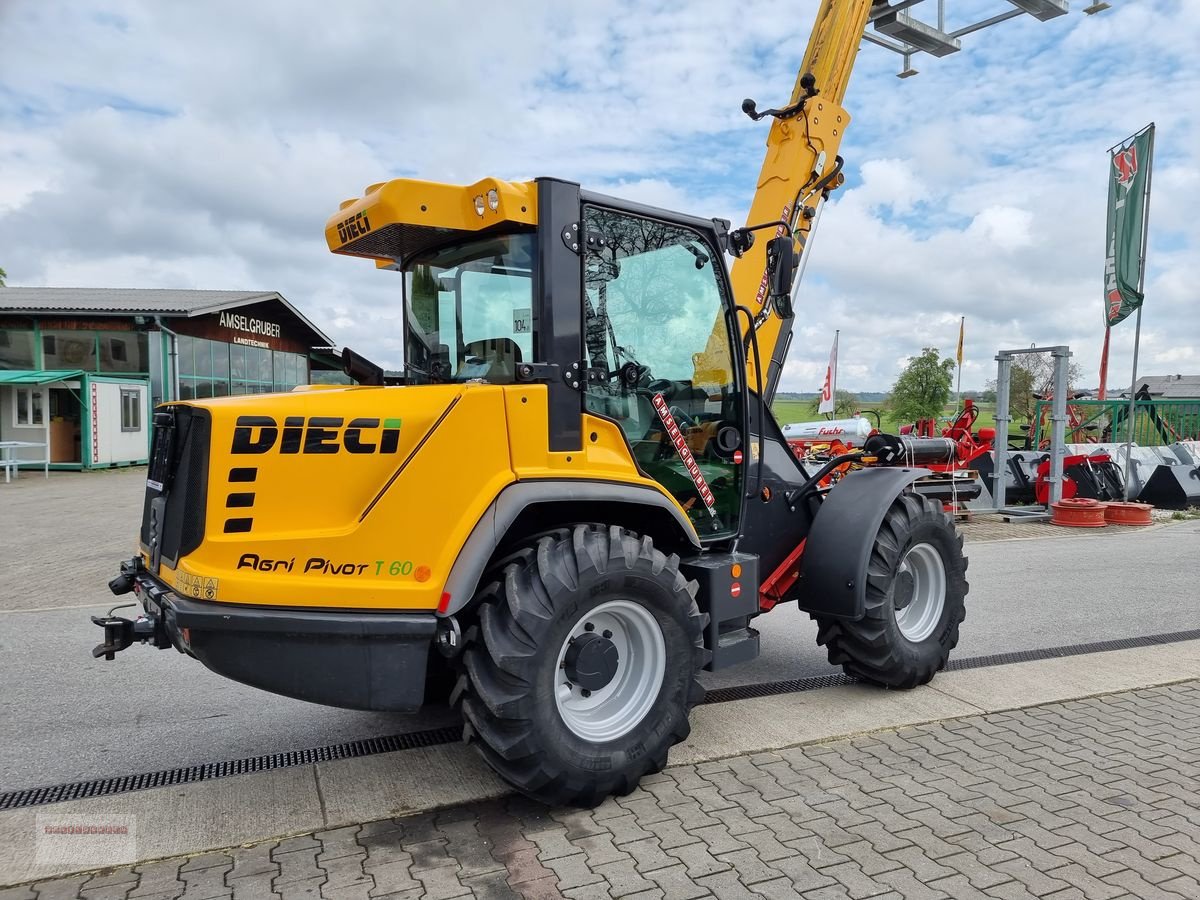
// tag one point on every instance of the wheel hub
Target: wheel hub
(610, 670)
(591, 661)
(919, 591)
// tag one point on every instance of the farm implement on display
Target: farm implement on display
(852, 444)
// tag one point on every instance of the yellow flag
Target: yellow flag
(961, 324)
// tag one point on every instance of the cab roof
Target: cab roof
(396, 219)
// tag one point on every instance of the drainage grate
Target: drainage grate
(795, 685)
(769, 688)
(104, 787)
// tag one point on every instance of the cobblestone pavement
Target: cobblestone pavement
(1089, 799)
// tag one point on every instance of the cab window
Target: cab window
(469, 310)
(655, 329)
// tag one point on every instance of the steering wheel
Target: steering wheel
(683, 418)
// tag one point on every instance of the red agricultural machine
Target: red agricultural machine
(844, 445)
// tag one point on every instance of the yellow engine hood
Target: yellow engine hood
(354, 497)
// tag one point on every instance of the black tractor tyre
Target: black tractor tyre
(875, 648)
(538, 597)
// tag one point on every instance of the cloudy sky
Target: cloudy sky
(165, 143)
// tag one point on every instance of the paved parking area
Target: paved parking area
(65, 535)
(75, 527)
(1093, 798)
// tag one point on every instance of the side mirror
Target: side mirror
(781, 263)
(360, 369)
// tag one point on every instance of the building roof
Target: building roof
(136, 301)
(1170, 387)
(37, 376)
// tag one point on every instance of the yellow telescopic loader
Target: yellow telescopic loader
(576, 499)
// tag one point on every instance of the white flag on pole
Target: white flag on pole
(829, 388)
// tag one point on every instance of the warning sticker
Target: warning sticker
(196, 586)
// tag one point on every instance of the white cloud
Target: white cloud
(891, 184)
(204, 145)
(1004, 228)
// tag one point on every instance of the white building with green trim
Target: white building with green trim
(81, 368)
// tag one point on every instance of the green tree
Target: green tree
(3, 275)
(1021, 388)
(1031, 377)
(845, 404)
(923, 388)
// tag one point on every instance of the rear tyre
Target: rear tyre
(915, 600)
(581, 671)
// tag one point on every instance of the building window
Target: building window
(124, 351)
(16, 350)
(237, 362)
(290, 369)
(220, 361)
(183, 359)
(216, 369)
(66, 349)
(131, 409)
(30, 406)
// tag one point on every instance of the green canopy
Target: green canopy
(37, 376)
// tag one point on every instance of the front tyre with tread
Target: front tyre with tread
(915, 599)
(542, 599)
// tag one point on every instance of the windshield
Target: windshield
(469, 311)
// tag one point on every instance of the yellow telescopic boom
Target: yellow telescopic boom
(801, 164)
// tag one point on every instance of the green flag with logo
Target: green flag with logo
(1128, 176)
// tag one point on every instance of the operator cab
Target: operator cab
(623, 310)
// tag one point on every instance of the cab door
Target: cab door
(656, 332)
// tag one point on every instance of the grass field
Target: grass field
(788, 411)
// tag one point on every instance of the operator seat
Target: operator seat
(493, 359)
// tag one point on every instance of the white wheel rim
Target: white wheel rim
(920, 617)
(615, 709)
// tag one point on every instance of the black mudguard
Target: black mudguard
(833, 570)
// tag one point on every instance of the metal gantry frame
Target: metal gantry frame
(1058, 429)
(896, 30)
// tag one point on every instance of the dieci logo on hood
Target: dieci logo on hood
(316, 434)
(355, 226)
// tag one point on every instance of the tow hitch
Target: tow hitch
(119, 632)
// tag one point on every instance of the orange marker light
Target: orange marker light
(736, 571)
(422, 573)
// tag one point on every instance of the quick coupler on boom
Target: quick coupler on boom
(119, 633)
